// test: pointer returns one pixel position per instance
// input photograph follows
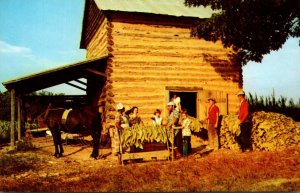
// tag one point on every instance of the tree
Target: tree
(5, 102)
(45, 93)
(4, 106)
(252, 28)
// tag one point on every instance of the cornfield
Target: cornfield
(282, 105)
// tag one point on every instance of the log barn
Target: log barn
(151, 55)
(139, 53)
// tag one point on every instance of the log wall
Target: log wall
(145, 59)
(98, 45)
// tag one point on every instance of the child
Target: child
(135, 118)
(186, 133)
(156, 119)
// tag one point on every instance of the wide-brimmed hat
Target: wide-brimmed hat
(171, 103)
(120, 106)
(241, 92)
(211, 99)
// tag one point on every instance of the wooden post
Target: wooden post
(12, 119)
(226, 95)
(172, 148)
(19, 101)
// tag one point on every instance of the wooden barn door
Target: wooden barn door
(202, 103)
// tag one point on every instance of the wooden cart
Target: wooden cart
(153, 151)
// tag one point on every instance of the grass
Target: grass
(12, 164)
(219, 171)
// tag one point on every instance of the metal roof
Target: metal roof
(55, 76)
(163, 7)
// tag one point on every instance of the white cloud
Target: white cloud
(12, 49)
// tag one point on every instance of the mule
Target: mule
(84, 120)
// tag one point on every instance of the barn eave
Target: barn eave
(56, 76)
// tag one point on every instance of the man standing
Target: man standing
(213, 118)
(245, 126)
(173, 119)
(119, 121)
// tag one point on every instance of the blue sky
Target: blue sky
(37, 35)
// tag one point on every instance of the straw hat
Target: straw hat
(120, 106)
(211, 99)
(241, 92)
(171, 103)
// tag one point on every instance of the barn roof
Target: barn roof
(163, 7)
(56, 76)
(168, 10)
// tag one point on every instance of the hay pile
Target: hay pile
(228, 131)
(270, 131)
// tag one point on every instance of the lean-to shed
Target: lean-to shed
(91, 70)
(152, 55)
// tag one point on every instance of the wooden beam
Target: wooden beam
(161, 154)
(95, 72)
(19, 101)
(183, 89)
(81, 82)
(71, 84)
(12, 118)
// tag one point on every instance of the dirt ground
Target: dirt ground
(79, 151)
(223, 170)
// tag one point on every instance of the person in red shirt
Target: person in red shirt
(213, 118)
(244, 139)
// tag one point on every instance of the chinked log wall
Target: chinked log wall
(147, 58)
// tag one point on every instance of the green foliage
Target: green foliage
(5, 128)
(5, 106)
(271, 104)
(252, 28)
(45, 93)
(5, 102)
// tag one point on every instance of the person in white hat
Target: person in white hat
(244, 139)
(213, 119)
(118, 130)
(173, 114)
(241, 92)
(172, 121)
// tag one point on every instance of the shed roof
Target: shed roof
(55, 76)
(163, 7)
(162, 10)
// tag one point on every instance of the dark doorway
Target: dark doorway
(188, 101)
